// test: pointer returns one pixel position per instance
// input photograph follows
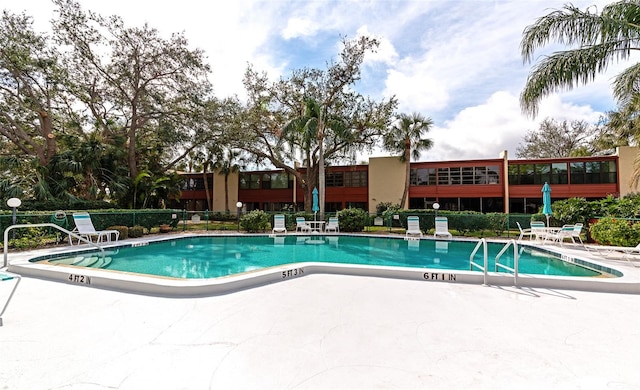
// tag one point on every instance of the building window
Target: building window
(265, 181)
(280, 180)
(467, 175)
(196, 183)
(443, 176)
(559, 173)
(593, 172)
(254, 181)
(493, 174)
(456, 175)
(542, 173)
(523, 174)
(355, 179)
(422, 176)
(334, 179)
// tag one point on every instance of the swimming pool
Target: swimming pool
(203, 265)
(214, 257)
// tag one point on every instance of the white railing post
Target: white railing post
(53, 225)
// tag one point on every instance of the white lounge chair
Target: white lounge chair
(524, 232)
(333, 225)
(279, 224)
(302, 225)
(85, 229)
(626, 252)
(413, 227)
(442, 228)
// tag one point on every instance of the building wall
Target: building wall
(218, 192)
(627, 156)
(386, 181)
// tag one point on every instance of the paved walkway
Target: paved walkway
(321, 332)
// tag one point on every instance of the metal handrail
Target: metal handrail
(482, 242)
(515, 260)
(53, 225)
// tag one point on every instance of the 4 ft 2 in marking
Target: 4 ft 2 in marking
(80, 279)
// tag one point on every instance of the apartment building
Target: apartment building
(484, 185)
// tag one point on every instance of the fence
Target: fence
(491, 224)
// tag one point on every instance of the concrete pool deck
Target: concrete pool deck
(321, 332)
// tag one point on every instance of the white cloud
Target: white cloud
(299, 27)
(485, 130)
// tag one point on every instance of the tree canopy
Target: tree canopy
(99, 109)
(313, 117)
(555, 139)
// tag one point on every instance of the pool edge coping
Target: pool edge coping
(169, 287)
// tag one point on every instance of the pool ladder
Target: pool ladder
(484, 267)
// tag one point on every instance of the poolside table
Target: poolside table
(317, 226)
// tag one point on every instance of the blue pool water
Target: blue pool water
(217, 256)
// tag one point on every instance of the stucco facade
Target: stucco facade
(386, 181)
(626, 164)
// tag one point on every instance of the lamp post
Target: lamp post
(436, 207)
(14, 203)
(239, 206)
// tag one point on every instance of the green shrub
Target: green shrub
(467, 222)
(255, 221)
(571, 211)
(617, 232)
(352, 220)
(497, 222)
(124, 231)
(136, 231)
(383, 207)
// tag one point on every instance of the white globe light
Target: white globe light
(239, 204)
(14, 202)
(436, 206)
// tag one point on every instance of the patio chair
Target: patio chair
(278, 224)
(333, 225)
(7, 276)
(577, 229)
(85, 229)
(302, 225)
(413, 227)
(442, 227)
(565, 232)
(524, 232)
(539, 230)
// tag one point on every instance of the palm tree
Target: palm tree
(306, 132)
(600, 39)
(405, 139)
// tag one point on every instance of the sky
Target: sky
(455, 61)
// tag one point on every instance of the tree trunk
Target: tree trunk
(226, 193)
(50, 148)
(407, 163)
(133, 166)
(310, 183)
(206, 187)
